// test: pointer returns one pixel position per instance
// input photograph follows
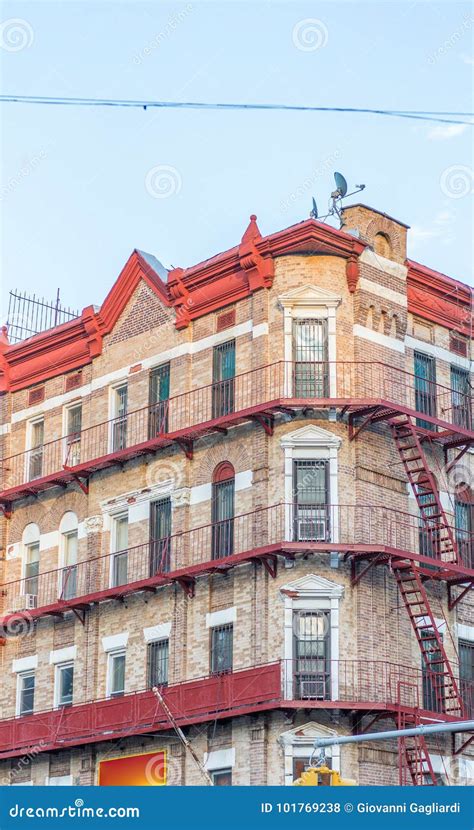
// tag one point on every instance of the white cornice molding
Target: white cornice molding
(312, 585)
(310, 436)
(309, 295)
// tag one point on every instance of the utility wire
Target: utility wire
(423, 115)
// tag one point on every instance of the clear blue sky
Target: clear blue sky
(76, 184)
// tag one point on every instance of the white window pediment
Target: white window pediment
(306, 734)
(310, 436)
(312, 585)
(307, 296)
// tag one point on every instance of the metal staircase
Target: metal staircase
(439, 672)
(414, 757)
(439, 532)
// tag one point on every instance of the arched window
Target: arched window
(464, 523)
(68, 544)
(31, 553)
(223, 493)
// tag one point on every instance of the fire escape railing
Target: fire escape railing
(191, 414)
(281, 527)
(372, 685)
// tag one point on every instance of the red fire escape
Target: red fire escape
(411, 571)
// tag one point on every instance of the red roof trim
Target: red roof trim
(211, 285)
(440, 299)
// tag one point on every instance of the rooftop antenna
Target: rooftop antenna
(335, 201)
(340, 193)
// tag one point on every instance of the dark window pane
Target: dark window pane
(461, 392)
(425, 388)
(159, 392)
(223, 518)
(160, 536)
(223, 379)
(311, 497)
(222, 777)
(158, 660)
(221, 648)
(311, 358)
(312, 654)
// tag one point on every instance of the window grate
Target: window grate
(157, 663)
(223, 379)
(222, 648)
(311, 498)
(310, 349)
(312, 654)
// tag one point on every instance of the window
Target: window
(466, 675)
(73, 434)
(311, 648)
(461, 397)
(432, 677)
(223, 379)
(116, 674)
(223, 496)
(310, 346)
(160, 536)
(425, 387)
(311, 497)
(221, 648)
(429, 538)
(159, 392)
(119, 574)
(26, 693)
(464, 525)
(222, 777)
(69, 572)
(64, 684)
(119, 426)
(35, 455)
(157, 663)
(32, 571)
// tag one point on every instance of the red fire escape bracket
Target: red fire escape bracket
(369, 412)
(6, 509)
(80, 480)
(462, 747)
(270, 563)
(456, 458)
(265, 421)
(187, 584)
(187, 447)
(453, 600)
(80, 613)
(356, 577)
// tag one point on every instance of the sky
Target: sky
(82, 187)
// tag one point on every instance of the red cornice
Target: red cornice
(438, 298)
(210, 285)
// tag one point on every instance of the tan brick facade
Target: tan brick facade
(371, 325)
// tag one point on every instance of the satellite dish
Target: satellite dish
(341, 184)
(314, 212)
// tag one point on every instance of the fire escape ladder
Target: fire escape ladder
(423, 484)
(439, 672)
(414, 756)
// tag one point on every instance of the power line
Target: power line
(423, 115)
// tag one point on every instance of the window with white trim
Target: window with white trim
(64, 684)
(25, 693)
(116, 673)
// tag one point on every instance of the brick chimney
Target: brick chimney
(387, 236)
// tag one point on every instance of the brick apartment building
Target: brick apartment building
(246, 483)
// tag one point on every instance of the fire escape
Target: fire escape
(259, 396)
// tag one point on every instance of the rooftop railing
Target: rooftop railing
(186, 416)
